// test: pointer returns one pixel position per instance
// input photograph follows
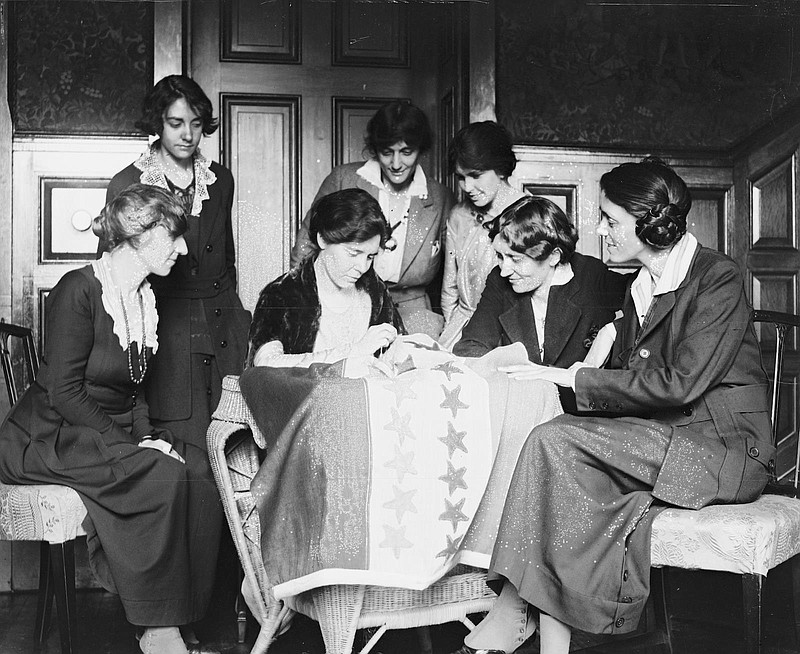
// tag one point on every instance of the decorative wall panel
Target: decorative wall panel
(261, 144)
(68, 207)
(79, 67)
(257, 31)
(773, 207)
(370, 34)
(350, 118)
(655, 75)
(772, 289)
(708, 218)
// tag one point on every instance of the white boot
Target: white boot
(162, 640)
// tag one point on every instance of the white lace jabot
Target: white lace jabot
(153, 174)
(113, 306)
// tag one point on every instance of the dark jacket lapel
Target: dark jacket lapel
(519, 326)
(561, 321)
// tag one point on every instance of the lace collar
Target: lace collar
(371, 171)
(153, 174)
(113, 305)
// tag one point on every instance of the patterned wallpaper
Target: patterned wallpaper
(625, 73)
(79, 67)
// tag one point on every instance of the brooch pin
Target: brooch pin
(391, 242)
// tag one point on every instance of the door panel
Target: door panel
(765, 239)
(279, 153)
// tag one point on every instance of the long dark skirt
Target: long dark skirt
(575, 534)
(155, 522)
(205, 390)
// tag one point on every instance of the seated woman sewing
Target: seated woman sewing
(333, 305)
(542, 293)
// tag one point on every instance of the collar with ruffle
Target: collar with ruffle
(112, 303)
(153, 174)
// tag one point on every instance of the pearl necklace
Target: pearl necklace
(143, 350)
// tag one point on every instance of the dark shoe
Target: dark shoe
(466, 649)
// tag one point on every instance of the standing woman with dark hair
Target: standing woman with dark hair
(691, 427)
(482, 158)
(153, 507)
(202, 326)
(415, 209)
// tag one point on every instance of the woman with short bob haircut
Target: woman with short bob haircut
(541, 293)
(482, 158)
(678, 417)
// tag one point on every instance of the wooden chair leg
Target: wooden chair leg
(240, 607)
(425, 640)
(795, 564)
(44, 600)
(62, 564)
(751, 593)
(660, 603)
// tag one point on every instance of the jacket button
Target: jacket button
(626, 600)
(209, 248)
(625, 576)
(206, 361)
(688, 410)
(591, 405)
(619, 407)
(217, 312)
(619, 622)
(216, 285)
(223, 343)
(208, 391)
(754, 452)
(604, 406)
(644, 353)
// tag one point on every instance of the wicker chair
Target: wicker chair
(233, 444)
(48, 513)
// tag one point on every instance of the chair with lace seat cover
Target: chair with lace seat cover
(48, 513)
(234, 440)
(749, 540)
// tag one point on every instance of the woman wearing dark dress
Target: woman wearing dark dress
(689, 393)
(202, 324)
(153, 506)
(542, 293)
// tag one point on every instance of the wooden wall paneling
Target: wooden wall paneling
(5, 170)
(261, 142)
(708, 219)
(370, 34)
(349, 118)
(445, 132)
(773, 206)
(257, 31)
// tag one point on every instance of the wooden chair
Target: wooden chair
(233, 446)
(745, 539)
(49, 513)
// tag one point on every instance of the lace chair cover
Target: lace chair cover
(44, 512)
(741, 538)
